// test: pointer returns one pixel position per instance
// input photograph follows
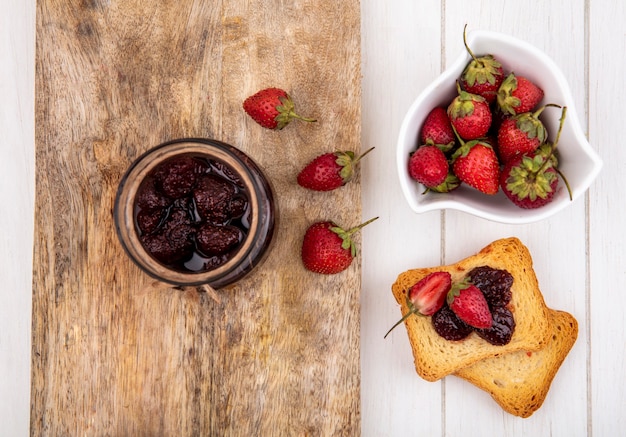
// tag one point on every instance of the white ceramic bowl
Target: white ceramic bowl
(577, 160)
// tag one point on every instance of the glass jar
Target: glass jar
(176, 200)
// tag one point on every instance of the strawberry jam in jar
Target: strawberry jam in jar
(195, 211)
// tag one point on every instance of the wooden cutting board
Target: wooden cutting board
(116, 353)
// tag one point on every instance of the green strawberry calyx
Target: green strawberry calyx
(456, 289)
(465, 147)
(531, 125)
(463, 103)
(507, 102)
(348, 162)
(286, 113)
(481, 69)
(531, 178)
(451, 183)
(445, 148)
(346, 235)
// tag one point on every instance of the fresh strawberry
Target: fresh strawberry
(437, 129)
(475, 163)
(530, 181)
(470, 305)
(517, 95)
(329, 171)
(272, 108)
(427, 295)
(329, 249)
(521, 134)
(527, 182)
(428, 165)
(470, 115)
(483, 75)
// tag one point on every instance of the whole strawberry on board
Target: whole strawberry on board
(428, 165)
(426, 296)
(530, 181)
(476, 164)
(437, 130)
(328, 248)
(517, 94)
(330, 171)
(470, 115)
(469, 304)
(483, 75)
(272, 108)
(521, 134)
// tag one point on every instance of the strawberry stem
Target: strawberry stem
(345, 235)
(348, 162)
(465, 43)
(458, 137)
(556, 140)
(287, 112)
(553, 149)
(356, 228)
(569, 189)
(299, 117)
(363, 154)
(406, 316)
(538, 112)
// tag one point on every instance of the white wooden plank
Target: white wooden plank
(401, 56)
(17, 24)
(607, 63)
(551, 241)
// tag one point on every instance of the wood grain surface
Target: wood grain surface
(115, 353)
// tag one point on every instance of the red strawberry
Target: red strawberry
(470, 115)
(437, 129)
(329, 171)
(527, 182)
(521, 134)
(483, 75)
(530, 181)
(470, 305)
(518, 94)
(476, 164)
(428, 165)
(427, 295)
(272, 108)
(327, 248)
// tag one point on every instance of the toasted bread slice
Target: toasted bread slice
(436, 357)
(519, 381)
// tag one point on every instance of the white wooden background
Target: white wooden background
(579, 253)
